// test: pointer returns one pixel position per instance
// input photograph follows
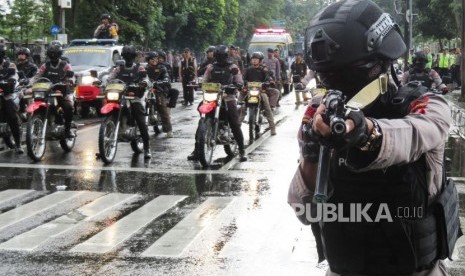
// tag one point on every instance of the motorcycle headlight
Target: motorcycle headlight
(254, 92)
(39, 95)
(112, 96)
(210, 97)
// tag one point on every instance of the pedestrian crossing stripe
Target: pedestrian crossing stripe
(93, 207)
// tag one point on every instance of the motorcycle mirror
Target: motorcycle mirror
(234, 71)
(69, 74)
(120, 62)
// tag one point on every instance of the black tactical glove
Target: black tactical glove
(357, 137)
(310, 143)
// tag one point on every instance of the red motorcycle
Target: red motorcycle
(213, 128)
(47, 119)
(115, 127)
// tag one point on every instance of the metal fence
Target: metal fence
(458, 119)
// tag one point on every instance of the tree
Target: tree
(434, 20)
(20, 19)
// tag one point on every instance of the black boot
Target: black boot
(193, 156)
(242, 157)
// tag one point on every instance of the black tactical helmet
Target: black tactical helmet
(162, 54)
(56, 42)
(420, 57)
(151, 55)
(128, 52)
(23, 51)
(221, 53)
(351, 31)
(258, 55)
(210, 49)
(105, 16)
(54, 52)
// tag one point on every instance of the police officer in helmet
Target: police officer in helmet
(131, 73)
(55, 69)
(389, 158)
(224, 72)
(419, 72)
(10, 108)
(24, 64)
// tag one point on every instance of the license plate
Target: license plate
(115, 87)
(41, 86)
(253, 100)
(211, 86)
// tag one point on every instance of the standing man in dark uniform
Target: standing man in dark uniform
(157, 72)
(187, 74)
(172, 94)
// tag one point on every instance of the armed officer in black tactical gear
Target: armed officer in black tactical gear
(157, 72)
(55, 70)
(134, 73)
(224, 72)
(389, 158)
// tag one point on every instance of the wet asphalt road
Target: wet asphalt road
(250, 231)
(232, 219)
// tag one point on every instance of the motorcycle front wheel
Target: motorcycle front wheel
(34, 142)
(106, 140)
(206, 143)
(137, 144)
(67, 144)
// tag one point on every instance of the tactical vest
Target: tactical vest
(28, 68)
(221, 74)
(187, 70)
(128, 74)
(55, 74)
(256, 74)
(384, 248)
(422, 77)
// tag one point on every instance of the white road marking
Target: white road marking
(116, 234)
(175, 241)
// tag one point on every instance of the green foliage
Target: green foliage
(20, 19)
(434, 20)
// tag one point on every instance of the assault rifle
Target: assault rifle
(334, 116)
